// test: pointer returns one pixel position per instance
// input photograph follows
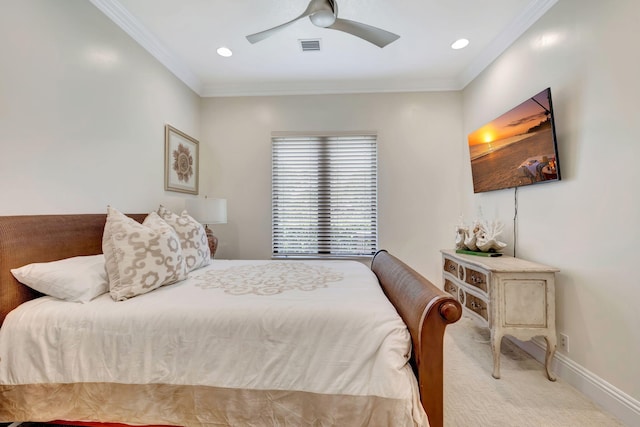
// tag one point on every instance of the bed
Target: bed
(171, 398)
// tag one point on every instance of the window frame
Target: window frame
(324, 180)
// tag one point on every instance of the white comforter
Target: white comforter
(315, 326)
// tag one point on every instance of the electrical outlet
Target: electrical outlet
(563, 342)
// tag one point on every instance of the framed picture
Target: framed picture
(180, 161)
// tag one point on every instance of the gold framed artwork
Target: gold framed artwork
(180, 161)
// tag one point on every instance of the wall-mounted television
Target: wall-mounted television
(518, 148)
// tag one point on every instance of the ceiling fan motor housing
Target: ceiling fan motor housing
(325, 14)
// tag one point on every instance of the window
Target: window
(324, 196)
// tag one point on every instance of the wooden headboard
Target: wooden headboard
(44, 238)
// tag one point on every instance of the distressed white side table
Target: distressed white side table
(509, 295)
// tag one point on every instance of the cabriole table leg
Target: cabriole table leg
(551, 349)
(496, 341)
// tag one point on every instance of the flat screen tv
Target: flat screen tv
(518, 148)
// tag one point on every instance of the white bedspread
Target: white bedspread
(316, 326)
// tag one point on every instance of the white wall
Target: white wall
(82, 113)
(587, 224)
(418, 156)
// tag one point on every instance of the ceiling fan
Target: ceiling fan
(324, 13)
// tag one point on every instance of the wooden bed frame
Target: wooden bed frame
(425, 309)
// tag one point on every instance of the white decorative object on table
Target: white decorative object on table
(470, 241)
(482, 237)
(461, 235)
(487, 237)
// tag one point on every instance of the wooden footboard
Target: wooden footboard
(427, 311)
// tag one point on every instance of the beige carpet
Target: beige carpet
(522, 397)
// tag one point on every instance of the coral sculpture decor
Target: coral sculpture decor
(481, 237)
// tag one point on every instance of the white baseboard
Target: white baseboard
(603, 394)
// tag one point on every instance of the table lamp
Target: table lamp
(208, 211)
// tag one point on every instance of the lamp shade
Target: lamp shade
(208, 211)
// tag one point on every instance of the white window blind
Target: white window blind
(324, 196)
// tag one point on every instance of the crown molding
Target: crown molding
(534, 11)
(329, 88)
(134, 28)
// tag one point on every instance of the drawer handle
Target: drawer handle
(451, 267)
(475, 305)
(477, 279)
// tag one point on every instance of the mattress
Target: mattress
(236, 343)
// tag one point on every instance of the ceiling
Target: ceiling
(184, 36)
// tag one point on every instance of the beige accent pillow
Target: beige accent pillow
(193, 238)
(140, 257)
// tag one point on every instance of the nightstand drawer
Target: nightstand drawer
(476, 278)
(451, 267)
(477, 305)
(451, 288)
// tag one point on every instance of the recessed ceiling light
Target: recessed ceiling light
(459, 44)
(224, 51)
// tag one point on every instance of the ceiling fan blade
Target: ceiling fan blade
(254, 38)
(374, 35)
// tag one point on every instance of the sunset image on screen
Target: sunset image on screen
(517, 148)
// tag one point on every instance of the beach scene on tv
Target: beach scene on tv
(518, 148)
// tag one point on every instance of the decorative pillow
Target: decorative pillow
(78, 279)
(140, 257)
(193, 238)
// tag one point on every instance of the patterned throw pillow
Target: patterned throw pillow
(193, 238)
(140, 257)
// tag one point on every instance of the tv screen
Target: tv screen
(518, 148)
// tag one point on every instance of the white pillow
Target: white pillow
(193, 238)
(140, 257)
(78, 279)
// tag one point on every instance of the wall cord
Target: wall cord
(515, 218)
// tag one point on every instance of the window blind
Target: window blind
(324, 196)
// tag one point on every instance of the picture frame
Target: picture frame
(181, 161)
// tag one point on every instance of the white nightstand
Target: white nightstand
(509, 295)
